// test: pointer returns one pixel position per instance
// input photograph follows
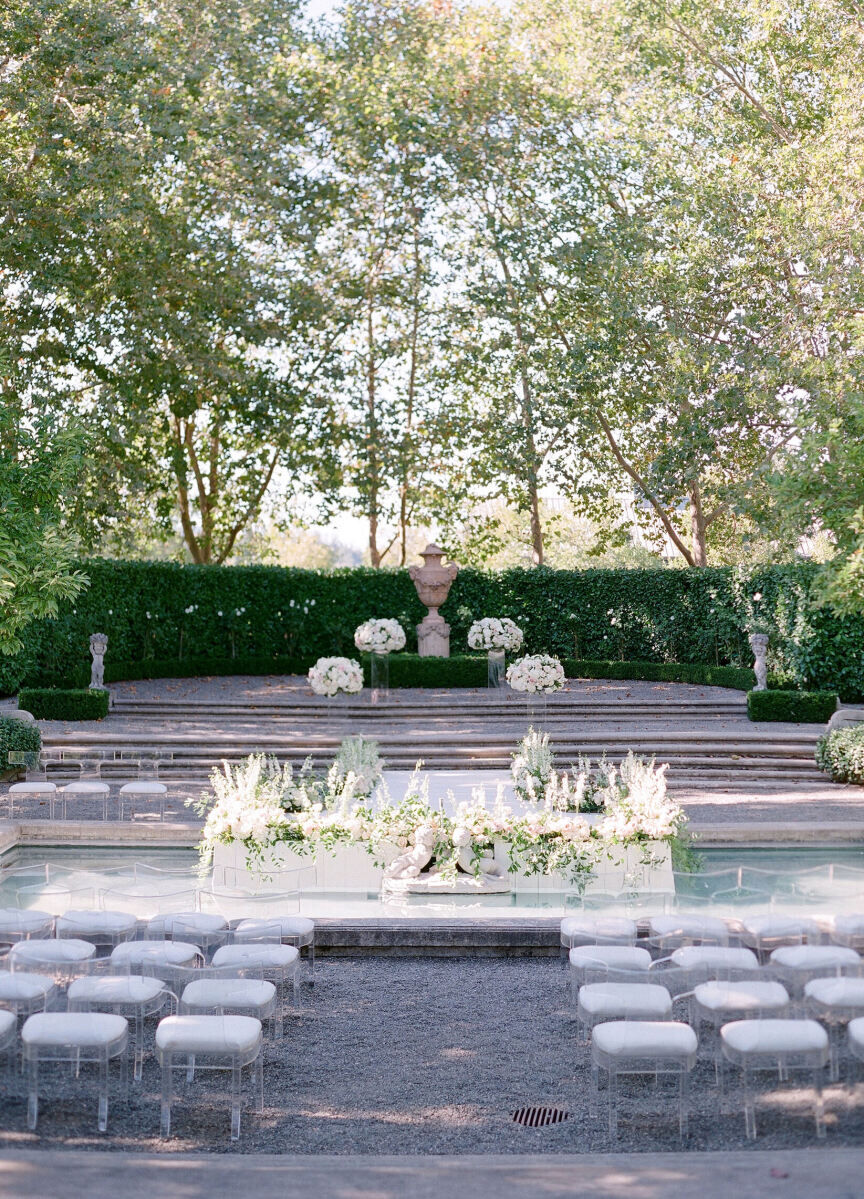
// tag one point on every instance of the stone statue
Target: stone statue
(98, 646)
(759, 645)
(433, 581)
(406, 875)
(409, 864)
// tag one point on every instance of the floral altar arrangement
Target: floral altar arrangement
(329, 676)
(474, 846)
(379, 637)
(537, 674)
(495, 634)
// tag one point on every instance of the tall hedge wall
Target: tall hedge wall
(156, 610)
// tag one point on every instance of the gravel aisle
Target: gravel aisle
(401, 1056)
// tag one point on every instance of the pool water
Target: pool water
(732, 880)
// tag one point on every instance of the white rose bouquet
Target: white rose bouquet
(492, 633)
(329, 676)
(379, 637)
(536, 673)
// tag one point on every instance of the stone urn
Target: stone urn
(433, 581)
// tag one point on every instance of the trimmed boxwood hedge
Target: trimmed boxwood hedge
(739, 677)
(840, 753)
(17, 736)
(49, 703)
(802, 707)
(161, 611)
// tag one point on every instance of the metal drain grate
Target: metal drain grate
(539, 1117)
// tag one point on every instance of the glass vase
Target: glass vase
(495, 668)
(379, 672)
(536, 705)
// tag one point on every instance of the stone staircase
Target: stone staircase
(706, 742)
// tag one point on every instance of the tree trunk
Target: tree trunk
(372, 437)
(697, 525)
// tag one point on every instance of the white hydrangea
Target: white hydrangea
(536, 673)
(329, 676)
(379, 637)
(492, 633)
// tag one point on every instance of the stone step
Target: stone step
(185, 710)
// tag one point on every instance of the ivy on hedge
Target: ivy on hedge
(803, 707)
(840, 753)
(17, 736)
(49, 703)
(160, 611)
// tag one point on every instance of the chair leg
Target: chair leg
(312, 961)
(235, 1100)
(32, 1092)
(683, 1100)
(612, 1098)
(819, 1103)
(165, 1125)
(749, 1106)
(102, 1118)
(259, 1079)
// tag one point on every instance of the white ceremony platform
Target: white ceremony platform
(352, 870)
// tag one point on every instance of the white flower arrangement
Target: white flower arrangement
(537, 674)
(358, 759)
(532, 767)
(379, 637)
(329, 676)
(492, 633)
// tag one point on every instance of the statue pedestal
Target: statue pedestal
(433, 637)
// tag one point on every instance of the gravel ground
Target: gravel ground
(423, 1057)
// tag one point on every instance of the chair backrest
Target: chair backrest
(147, 899)
(35, 763)
(237, 904)
(55, 897)
(147, 763)
(88, 761)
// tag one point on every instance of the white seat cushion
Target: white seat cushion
(741, 997)
(199, 922)
(856, 1035)
(169, 953)
(8, 1025)
(92, 923)
(714, 957)
(115, 988)
(143, 788)
(850, 925)
(261, 954)
(771, 1037)
(644, 1038)
(836, 992)
(688, 925)
(289, 926)
(86, 788)
(81, 1029)
(600, 927)
(33, 788)
(615, 957)
(208, 1034)
(53, 950)
(229, 992)
(769, 928)
(28, 920)
(622, 1001)
(20, 985)
(815, 957)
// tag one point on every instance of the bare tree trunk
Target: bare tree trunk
(372, 436)
(697, 525)
(405, 483)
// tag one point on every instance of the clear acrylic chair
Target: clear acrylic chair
(638, 1047)
(137, 997)
(76, 1038)
(601, 1002)
(22, 924)
(191, 1043)
(796, 965)
(9, 1036)
(277, 963)
(606, 963)
(784, 1045)
(24, 992)
(37, 785)
(56, 957)
(89, 784)
(231, 990)
(666, 933)
(105, 929)
(597, 930)
(205, 929)
(848, 929)
(834, 1002)
(155, 959)
(150, 898)
(146, 787)
(256, 915)
(765, 933)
